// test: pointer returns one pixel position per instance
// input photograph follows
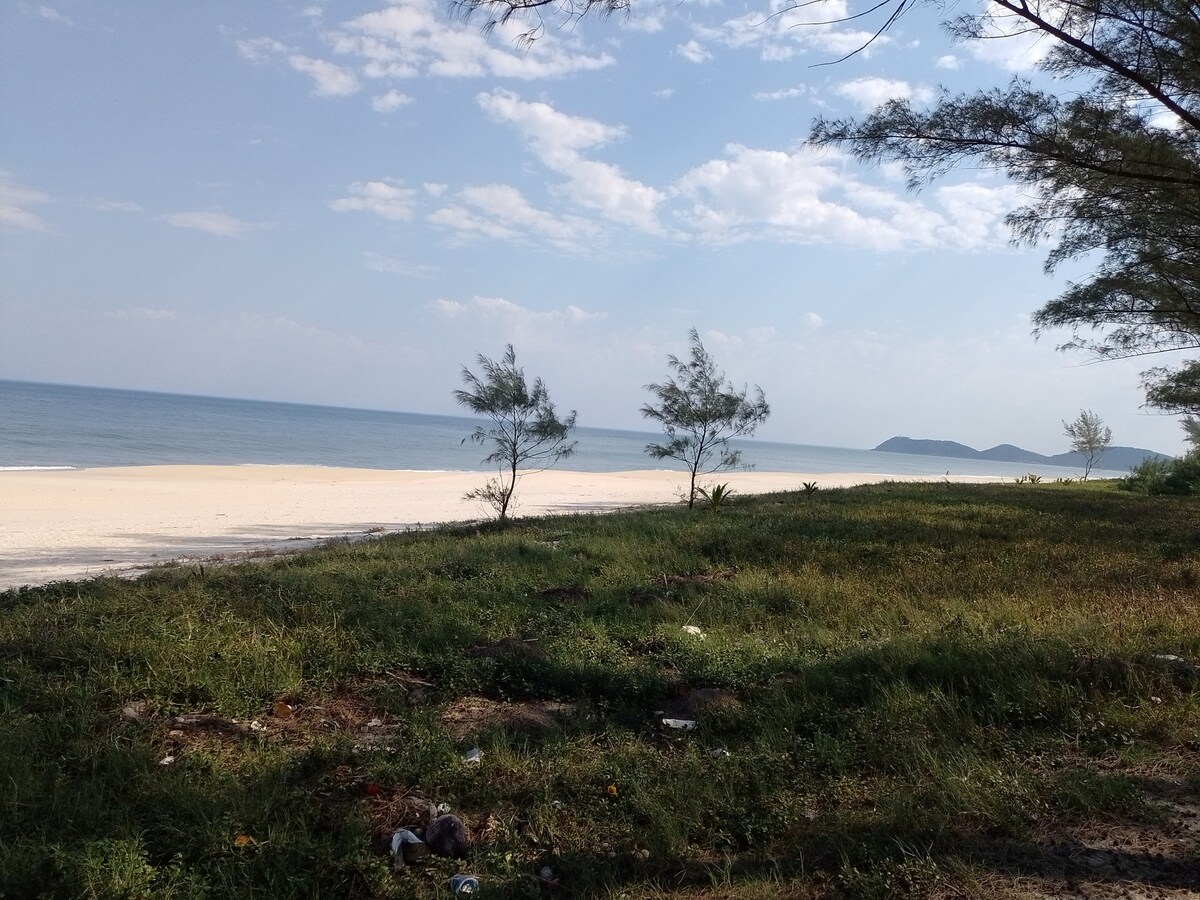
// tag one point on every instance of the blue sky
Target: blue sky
(343, 203)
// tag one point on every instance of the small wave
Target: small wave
(36, 468)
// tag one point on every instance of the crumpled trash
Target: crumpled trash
(547, 877)
(166, 760)
(695, 631)
(718, 753)
(447, 836)
(473, 756)
(407, 848)
(680, 724)
(464, 885)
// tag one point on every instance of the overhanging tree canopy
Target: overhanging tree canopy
(1113, 165)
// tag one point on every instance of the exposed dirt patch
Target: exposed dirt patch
(471, 715)
(510, 648)
(1151, 855)
(694, 703)
(291, 720)
(565, 592)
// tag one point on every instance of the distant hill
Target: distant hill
(1114, 458)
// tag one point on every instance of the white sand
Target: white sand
(57, 525)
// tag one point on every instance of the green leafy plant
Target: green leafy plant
(810, 488)
(715, 495)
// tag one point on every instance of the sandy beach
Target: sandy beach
(66, 524)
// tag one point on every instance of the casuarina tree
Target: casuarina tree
(700, 412)
(524, 431)
(1090, 437)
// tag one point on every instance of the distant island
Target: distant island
(1114, 458)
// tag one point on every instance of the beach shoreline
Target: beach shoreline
(58, 524)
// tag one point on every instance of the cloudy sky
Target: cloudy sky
(343, 203)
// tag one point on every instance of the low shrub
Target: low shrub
(1179, 477)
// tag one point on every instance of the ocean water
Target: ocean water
(53, 426)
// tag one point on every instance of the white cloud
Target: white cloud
(665, 93)
(645, 21)
(783, 94)
(14, 200)
(483, 307)
(142, 312)
(808, 197)
(329, 80)
(949, 61)
(217, 223)
(869, 93)
(262, 49)
(415, 36)
(813, 320)
(53, 15)
(501, 212)
(693, 52)
(559, 139)
(1010, 43)
(393, 266)
(786, 27)
(389, 102)
(102, 205)
(387, 199)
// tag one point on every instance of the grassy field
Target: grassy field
(899, 691)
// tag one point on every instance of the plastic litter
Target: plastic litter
(695, 631)
(166, 760)
(681, 724)
(557, 805)
(548, 878)
(473, 756)
(463, 885)
(718, 753)
(407, 848)
(441, 809)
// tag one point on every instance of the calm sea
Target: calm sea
(51, 426)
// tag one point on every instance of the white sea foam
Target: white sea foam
(35, 468)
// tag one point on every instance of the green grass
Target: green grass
(919, 690)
